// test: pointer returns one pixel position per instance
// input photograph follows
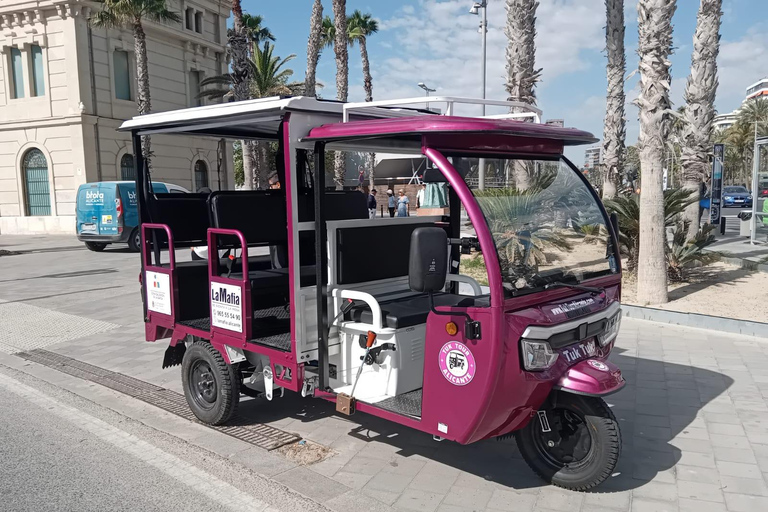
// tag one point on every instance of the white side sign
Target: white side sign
(226, 311)
(159, 292)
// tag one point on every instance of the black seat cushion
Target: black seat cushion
(409, 311)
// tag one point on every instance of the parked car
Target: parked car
(737, 196)
(107, 213)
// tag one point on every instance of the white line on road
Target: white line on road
(198, 480)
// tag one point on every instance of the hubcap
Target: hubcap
(202, 384)
(569, 443)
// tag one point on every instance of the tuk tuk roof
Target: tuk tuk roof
(410, 129)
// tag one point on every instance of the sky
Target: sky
(438, 42)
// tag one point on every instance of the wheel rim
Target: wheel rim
(569, 444)
(137, 240)
(202, 385)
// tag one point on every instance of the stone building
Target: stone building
(64, 89)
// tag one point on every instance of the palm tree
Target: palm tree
(342, 76)
(755, 113)
(521, 72)
(359, 27)
(269, 77)
(614, 129)
(239, 51)
(255, 31)
(131, 14)
(313, 47)
(699, 97)
(654, 46)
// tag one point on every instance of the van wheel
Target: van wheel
(211, 386)
(134, 241)
(95, 246)
(582, 446)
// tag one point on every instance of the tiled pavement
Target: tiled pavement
(694, 417)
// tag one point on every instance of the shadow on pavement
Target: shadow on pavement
(655, 411)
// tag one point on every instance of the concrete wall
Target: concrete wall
(74, 122)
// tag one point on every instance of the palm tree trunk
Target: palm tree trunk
(521, 73)
(342, 77)
(700, 91)
(238, 52)
(249, 164)
(654, 47)
(367, 80)
(313, 48)
(614, 131)
(143, 99)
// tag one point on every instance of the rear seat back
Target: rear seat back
(339, 205)
(372, 253)
(259, 215)
(186, 215)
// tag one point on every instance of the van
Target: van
(107, 213)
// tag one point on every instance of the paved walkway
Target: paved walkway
(694, 414)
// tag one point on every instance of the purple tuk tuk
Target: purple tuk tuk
(491, 318)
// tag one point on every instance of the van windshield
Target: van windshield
(546, 223)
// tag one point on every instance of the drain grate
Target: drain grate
(259, 435)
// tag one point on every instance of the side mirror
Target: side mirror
(615, 224)
(428, 263)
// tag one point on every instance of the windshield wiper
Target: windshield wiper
(560, 284)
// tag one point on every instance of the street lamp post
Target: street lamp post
(481, 8)
(427, 90)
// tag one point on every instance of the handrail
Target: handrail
(214, 250)
(369, 299)
(450, 101)
(145, 248)
(460, 278)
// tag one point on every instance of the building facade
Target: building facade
(757, 90)
(66, 87)
(593, 157)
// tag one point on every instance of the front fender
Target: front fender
(591, 377)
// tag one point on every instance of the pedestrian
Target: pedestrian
(420, 196)
(402, 204)
(372, 204)
(391, 202)
(360, 176)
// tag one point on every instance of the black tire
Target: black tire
(134, 241)
(211, 386)
(587, 433)
(95, 246)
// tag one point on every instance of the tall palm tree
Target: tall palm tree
(521, 72)
(256, 32)
(239, 50)
(313, 47)
(342, 76)
(359, 27)
(654, 46)
(699, 97)
(269, 77)
(755, 113)
(130, 14)
(615, 126)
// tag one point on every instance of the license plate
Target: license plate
(88, 227)
(580, 351)
(739, 200)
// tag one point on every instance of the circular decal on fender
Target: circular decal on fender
(598, 365)
(457, 364)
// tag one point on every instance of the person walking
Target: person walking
(402, 204)
(391, 202)
(420, 196)
(372, 204)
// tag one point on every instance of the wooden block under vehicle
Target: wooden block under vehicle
(345, 404)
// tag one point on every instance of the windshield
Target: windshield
(546, 223)
(735, 190)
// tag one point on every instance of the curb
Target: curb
(745, 264)
(714, 323)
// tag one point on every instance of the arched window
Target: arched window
(36, 186)
(127, 170)
(201, 174)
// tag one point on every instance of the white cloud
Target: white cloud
(742, 62)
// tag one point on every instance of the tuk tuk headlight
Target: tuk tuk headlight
(537, 355)
(611, 330)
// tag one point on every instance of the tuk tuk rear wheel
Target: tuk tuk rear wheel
(582, 447)
(211, 386)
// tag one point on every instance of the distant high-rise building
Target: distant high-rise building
(555, 122)
(593, 157)
(757, 90)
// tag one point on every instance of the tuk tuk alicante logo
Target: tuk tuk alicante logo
(457, 364)
(225, 297)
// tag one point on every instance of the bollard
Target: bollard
(382, 211)
(722, 225)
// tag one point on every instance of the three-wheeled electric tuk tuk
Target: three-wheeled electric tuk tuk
(493, 317)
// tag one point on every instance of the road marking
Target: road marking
(196, 479)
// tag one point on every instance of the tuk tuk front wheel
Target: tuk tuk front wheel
(211, 386)
(574, 442)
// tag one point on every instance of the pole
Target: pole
(427, 91)
(483, 31)
(755, 170)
